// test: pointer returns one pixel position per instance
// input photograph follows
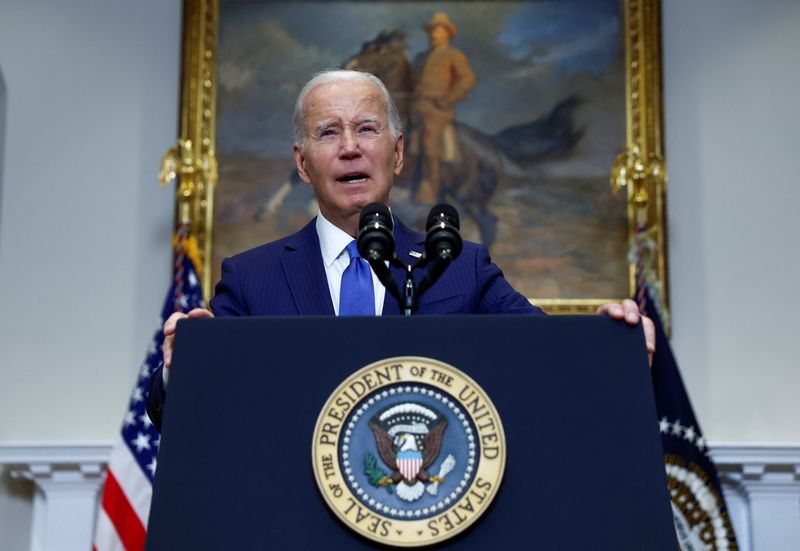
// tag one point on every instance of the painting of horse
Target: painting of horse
(535, 137)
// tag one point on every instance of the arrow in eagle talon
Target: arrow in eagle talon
(447, 466)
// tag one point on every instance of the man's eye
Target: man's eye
(327, 133)
(368, 129)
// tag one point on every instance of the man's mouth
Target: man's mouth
(353, 178)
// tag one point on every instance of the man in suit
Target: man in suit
(348, 147)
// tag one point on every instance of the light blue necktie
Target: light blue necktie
(356, 296)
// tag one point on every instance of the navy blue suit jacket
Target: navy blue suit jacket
(287, 278)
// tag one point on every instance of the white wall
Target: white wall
(88, 105)
(732, 111)
(92, 96)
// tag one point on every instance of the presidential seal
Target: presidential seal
(408, 451)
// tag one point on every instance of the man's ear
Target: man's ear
(300, 163)
(398, 155)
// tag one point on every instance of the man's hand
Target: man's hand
(630, 313)
(169, 330)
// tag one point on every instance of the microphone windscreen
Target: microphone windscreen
(443, 211)
(375, 211)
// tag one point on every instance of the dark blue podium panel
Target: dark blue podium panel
(584, 464)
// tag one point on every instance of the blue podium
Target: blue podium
(584, 468)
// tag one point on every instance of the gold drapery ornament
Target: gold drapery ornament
(632, 171)
(191, 172)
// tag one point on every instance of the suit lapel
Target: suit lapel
(302, 265)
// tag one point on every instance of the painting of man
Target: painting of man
(445, 78)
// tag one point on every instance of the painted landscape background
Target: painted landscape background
(544, 123)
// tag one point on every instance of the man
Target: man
(348, 148)
(444, 79)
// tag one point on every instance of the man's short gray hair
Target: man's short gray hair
(338, 75)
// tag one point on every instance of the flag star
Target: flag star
(142, 442)
(145, 419)
(138, 396)
(157, 441)
(152, 466)
(144, 371)
(700, 443)
(184, 301)
(689, 434)
(192, 279)
(676, 427)
(130, 419)
(663, 425)
(152, 347)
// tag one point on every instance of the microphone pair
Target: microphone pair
(442, 240)
(376, 244)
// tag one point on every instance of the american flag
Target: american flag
(122, 515)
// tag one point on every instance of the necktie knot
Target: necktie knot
(352, 250)
(356, 296)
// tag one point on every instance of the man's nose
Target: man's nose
(349, 146)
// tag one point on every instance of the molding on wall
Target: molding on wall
(759, 468)
(731, 453)
(761, 485)
(53, 453)
(67, 479)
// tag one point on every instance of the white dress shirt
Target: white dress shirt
(333, 245)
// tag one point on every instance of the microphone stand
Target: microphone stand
(408, 299)
(409, 303)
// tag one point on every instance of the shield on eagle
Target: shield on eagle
(408, 463)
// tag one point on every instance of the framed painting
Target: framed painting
(560, 109)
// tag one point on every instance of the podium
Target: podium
(584, 467)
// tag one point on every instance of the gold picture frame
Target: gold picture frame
(639, 169)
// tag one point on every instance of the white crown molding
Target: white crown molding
(728, 453)
(759, 468)
(53, 452)
(54, 460)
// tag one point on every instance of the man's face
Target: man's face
(350, 157)
(439, 36)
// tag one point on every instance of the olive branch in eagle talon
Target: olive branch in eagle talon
(377, 476)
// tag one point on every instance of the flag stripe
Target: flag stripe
(107, 538)
(409, 468)
(126, 522)
(132, 481)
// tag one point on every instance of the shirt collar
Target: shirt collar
(332, 240)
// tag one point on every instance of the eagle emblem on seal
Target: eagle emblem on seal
(408, 437)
